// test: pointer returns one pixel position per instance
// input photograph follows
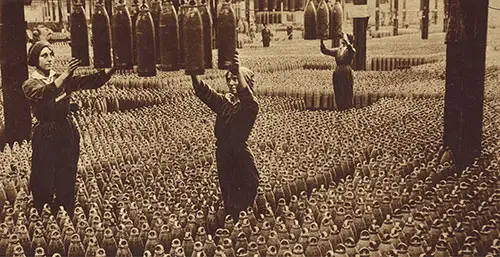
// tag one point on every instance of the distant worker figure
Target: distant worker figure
(236, 114)
(266, 36)
(242, 26)
(343, 79)
(289, 32)
(251, 31)
(245, 27)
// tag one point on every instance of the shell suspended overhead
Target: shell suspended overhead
(226, 35)
(108, 4)
(122, 37)
(134, 13)
(336, 18)
(101, 37)
(193, 41)
(169, 38)
(206, 18)
(79, 35)
(310, 21)
(145, 42)
(156, 8)
(323, 20)
(181, 16)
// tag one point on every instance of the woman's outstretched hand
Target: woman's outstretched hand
(72, 66)
(234, 68)
(346, 38)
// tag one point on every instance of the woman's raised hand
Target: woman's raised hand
(73, 64)
(234, 68)
(345, 37)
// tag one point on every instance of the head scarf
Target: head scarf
(247, 74)
(34, 52)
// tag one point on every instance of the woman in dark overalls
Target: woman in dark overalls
(266, 36)
(56, 140)
(236, 114)
(342, 77)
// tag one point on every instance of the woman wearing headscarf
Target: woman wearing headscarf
(56, 140)
(342, 77)
(236, 114)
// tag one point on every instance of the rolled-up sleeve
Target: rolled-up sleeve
(35, 90)
(215, 101)
(326, 51)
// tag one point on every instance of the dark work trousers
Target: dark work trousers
(266, 42)
(266, 37)
(56, 149)
(343, 82)
(238, 178)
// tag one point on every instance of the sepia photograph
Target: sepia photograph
(250, 128)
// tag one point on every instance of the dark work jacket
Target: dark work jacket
(234, 121)
(50, 103)
(266, 34)
(55, 142)
(238, 175)
(342, 77)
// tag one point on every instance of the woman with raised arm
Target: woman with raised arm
(236, 113)
(343, 79)
(56, 140)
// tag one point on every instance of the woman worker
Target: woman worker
(56, 140)
(236, 113)
(343, 79)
